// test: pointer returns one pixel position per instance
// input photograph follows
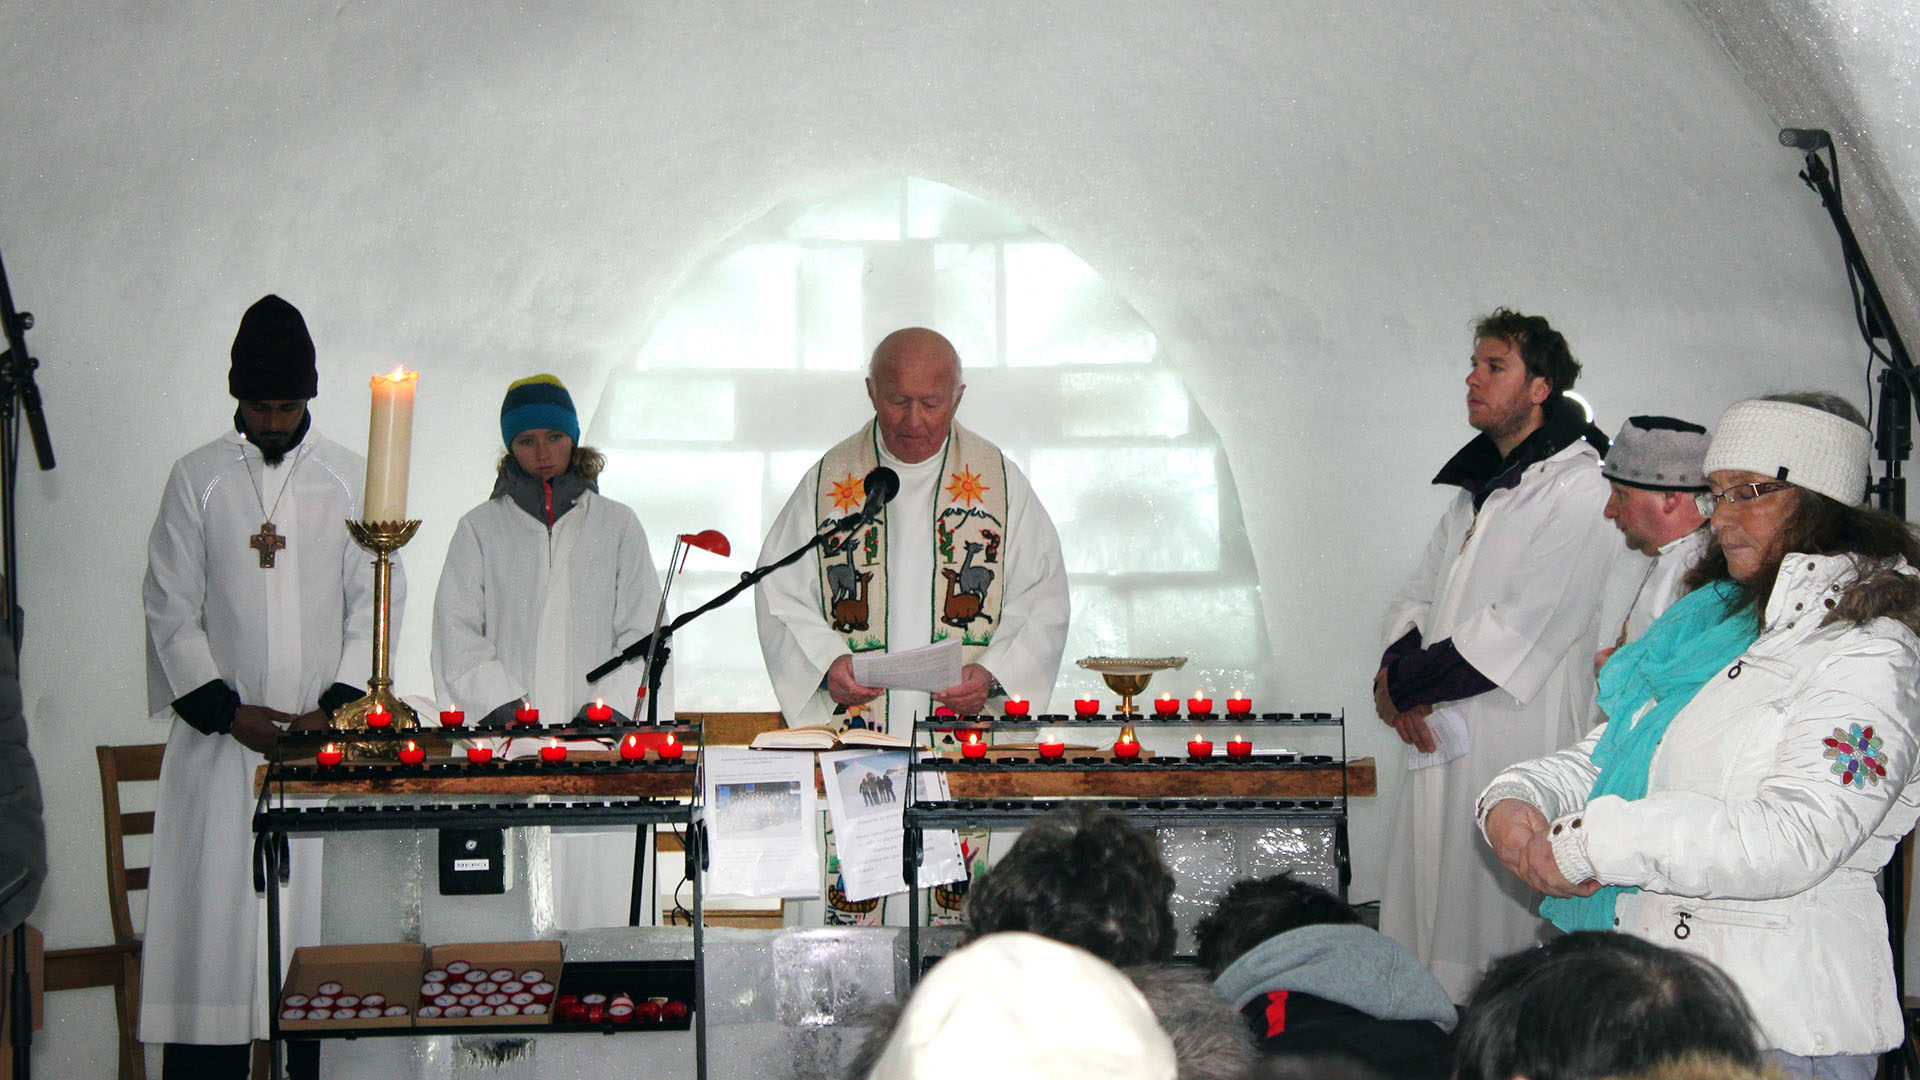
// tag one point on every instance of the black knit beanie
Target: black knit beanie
(272, 354)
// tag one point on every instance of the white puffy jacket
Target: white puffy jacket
(1769, 809)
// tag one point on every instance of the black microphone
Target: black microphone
(1806, 140)
(881, 485)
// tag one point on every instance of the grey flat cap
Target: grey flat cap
(1659, 453)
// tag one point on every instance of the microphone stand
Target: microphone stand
(1894, 442)
(17, 386)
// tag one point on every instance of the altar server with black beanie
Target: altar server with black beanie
(259, 611)
(542, 582)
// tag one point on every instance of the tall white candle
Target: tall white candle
(389, 446)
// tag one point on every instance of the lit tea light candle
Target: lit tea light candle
(553, 752)
(672, 749)
(479, 755)
(631, 750)
(1238, 705)
(973, 749)
(1018, 706)
(1200, 705)
(411, 754)
(1166, 705)
(1198, 747)
(1127, 749)
(1239, 748)
(451, 716)
(599, 712)
(1051, 749)
(1086, 706)
(379, 717)
(329, 756)
(526, 714)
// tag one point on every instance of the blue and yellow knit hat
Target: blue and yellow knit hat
(538, 401)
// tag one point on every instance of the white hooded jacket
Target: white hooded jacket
(1769, 810)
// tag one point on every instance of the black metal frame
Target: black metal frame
(1148, 812)
(274, 823)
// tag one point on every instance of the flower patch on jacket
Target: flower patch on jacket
(1856, 755)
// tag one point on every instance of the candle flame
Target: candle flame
(555, 743)
(1124, 737)
(973, 736)
(1168, 696)
(410, 745)
(634, 740)
(599, 703)
(332, 748)
(669, 738)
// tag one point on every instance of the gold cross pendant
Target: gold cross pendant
(267, 541)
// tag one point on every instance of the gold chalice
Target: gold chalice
(1128, 677)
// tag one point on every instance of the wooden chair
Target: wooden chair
(116, 965)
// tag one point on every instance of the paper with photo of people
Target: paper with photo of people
(866, 795)
(763, 824)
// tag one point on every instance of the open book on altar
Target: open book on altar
(824, 737)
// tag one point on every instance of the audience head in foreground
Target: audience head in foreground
(1594, 1004)
(1019, 1006)
(1086, 877)
(1311, 982)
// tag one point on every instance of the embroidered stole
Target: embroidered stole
(968, 533)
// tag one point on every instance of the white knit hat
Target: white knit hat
(1800, 444)
(1023, 1007)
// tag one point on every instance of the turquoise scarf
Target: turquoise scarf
(1689, 644)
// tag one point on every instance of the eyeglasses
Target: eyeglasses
(1738, 493)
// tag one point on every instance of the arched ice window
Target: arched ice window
(753, 368)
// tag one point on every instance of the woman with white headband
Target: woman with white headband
(1753, 775)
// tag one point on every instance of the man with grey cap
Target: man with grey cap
(1654, 470)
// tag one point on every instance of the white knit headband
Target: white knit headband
(1800, 444)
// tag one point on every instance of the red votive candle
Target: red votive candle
(379, 717)
(1199, 748)
(1239, 706)
(631, 750)
(672, 749)
(553, 752)
(973, 749)
(411, 754)
(1239, 748)
(479, 755)
(1018, 706)
(451, 716)
(329, 756)
(1086, 706)
(1166, 705)
(1201, 705)
(1126, 749)
(599, 712)
(1052, 751)
(944, 711)
(526, 714)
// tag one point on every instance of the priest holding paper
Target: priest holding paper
(963, 556)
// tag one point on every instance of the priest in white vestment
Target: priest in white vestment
(259, 613)
(963, 552)
(1654, 470)
(543, 582)
(1489, 644)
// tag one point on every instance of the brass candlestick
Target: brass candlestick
(383, 538)
(1128, 677)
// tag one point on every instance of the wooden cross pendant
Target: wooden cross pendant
(267, 541)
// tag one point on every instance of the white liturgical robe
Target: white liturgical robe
(278, 636)
(1662, 585)
(799, 645)
(1517, 588)
(524, 613)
